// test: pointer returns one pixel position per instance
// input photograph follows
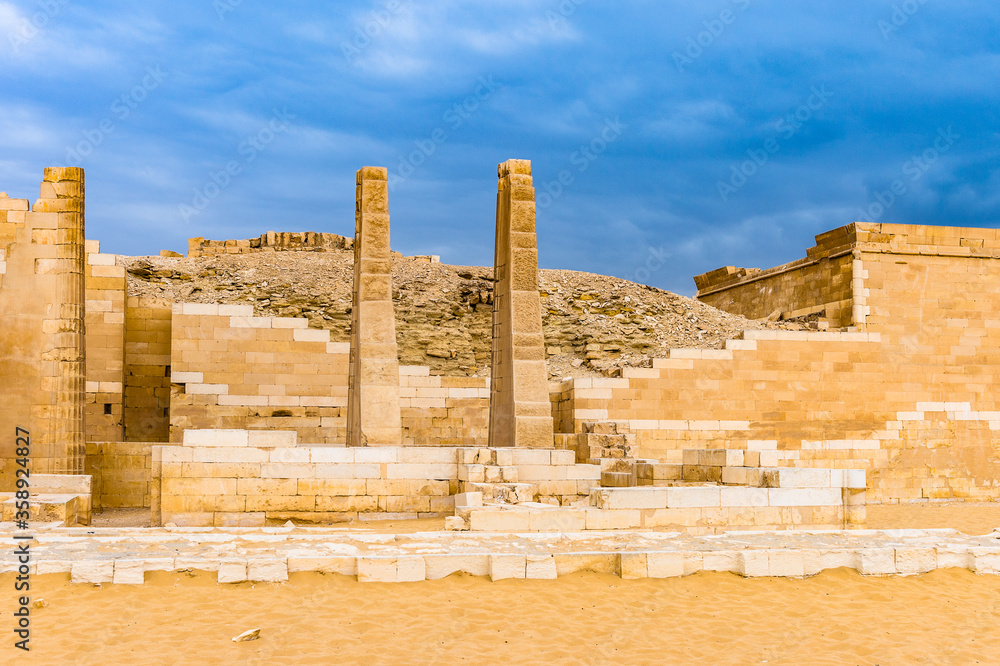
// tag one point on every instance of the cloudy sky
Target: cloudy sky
(667, 139)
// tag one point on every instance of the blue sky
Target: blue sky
(667, 139)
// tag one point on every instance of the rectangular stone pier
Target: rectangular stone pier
(373, 417)
(42, 309)
(520, 411)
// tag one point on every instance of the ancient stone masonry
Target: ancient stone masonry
(306, 241)
(520, 412)
(373, 417)
(232, 419)
(42, 307)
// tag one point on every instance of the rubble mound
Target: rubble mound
(594, 324)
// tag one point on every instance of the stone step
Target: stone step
(51, 507)
(503, 493)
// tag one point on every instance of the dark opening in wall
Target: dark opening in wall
(107, 408)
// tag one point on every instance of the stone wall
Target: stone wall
(252, 478)
(147, 369)
(105, 317)
(230, 369)
(306, 241)
(121, 473)
(42, 353)
(913, 397)
(820, 284)
(233, 370)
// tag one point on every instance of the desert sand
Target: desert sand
(836, 617)
(947, 616)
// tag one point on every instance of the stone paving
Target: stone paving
(123, 555)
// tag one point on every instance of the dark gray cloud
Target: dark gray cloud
(676, 137)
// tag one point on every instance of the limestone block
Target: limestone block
(985, 560)
(442, 566)
(665, 565)
(503, 566)
(329, 454)
(685, 497)
(804, 496)
(557, 520)
(289, 455)
(343, 565)
(954, 557)
(630, 498)
(540, 567)
(421, 471)
(532, 456)
(804, 478)
(855, 478)
(271, 438)
(232, 571)
(267, 570)
(606, 519)
(410, 569)
(91, 571)
(377, 570)
(129, 572)
(472, 473)
(739, 497)
(44, 567)
(219, 437)
(722, 560)
(633, 566)
(469, 499)
(498, 520)
(505, 457)
(786, 562)
(584, 472)
(568, 563)
(754, 563)
(768, 458)
(876, 561)
(456, 523)
(915, 560)
(382, 454)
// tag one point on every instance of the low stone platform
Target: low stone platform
(123, 556)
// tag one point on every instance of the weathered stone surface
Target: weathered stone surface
(520, 415)
(373, 411)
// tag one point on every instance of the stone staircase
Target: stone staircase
(492, 473)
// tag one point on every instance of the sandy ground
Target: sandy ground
(967, 517)
(950, 616)
(837, 617)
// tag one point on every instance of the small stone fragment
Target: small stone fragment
(251, 635)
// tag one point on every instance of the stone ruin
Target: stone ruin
(210, 416)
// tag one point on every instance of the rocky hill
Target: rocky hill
(594, 324)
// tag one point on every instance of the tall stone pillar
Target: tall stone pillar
(520, 411)
(42, 349)
(373, 396)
